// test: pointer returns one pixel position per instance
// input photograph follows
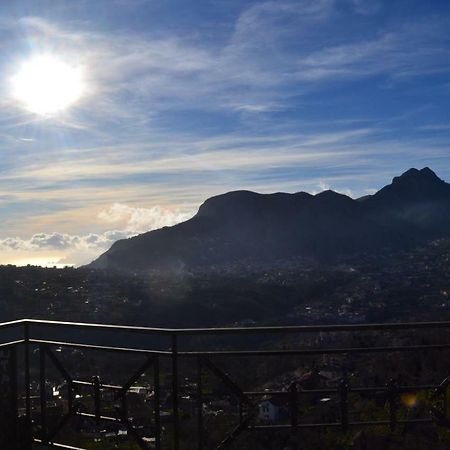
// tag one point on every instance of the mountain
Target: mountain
(417, 201)
(244, 226)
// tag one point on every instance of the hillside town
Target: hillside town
(363, 288)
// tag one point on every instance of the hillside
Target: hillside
(244, 226)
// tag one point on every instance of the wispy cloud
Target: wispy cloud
(243, 155)
(172, 116)
(275, 51)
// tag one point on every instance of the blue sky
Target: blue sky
(188, 99)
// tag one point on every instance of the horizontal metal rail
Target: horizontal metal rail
(13, 323)
(100, 347)
(368, 389)
(245, 330)
(56, 445)
(233, 330)
(89, 384)
(27, 329)
(11, 343)
(339, 424)
(317, 351)
(93, 416)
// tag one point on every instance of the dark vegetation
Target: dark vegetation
(409, 285)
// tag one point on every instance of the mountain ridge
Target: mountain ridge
(247, 226)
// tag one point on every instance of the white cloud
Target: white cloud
(321, 186)
(81, 249)
(61, 241)
(138, 220)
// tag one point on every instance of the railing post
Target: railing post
(157, 400)
(392, 394)
(14, 394)
(27, 373)
(96, 384)
(124, 405)
(293, 411)
(43, 393)
(343, 391)
(176, 423)
(445, 401)
(293, 405)
(443, 389)
(70, 395)
(8, 398)
(199, 404)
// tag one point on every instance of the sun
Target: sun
(47, 85)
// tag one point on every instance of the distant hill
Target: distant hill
(246, 226)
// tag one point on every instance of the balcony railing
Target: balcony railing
(181, 359)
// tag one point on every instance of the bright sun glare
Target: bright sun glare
(47, 85)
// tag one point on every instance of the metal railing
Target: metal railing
(171, 346)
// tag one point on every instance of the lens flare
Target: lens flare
(409, 400)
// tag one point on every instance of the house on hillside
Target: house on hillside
(273, 409)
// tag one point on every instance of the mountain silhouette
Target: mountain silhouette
(244, 226)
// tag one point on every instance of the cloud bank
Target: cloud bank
(80, 249)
